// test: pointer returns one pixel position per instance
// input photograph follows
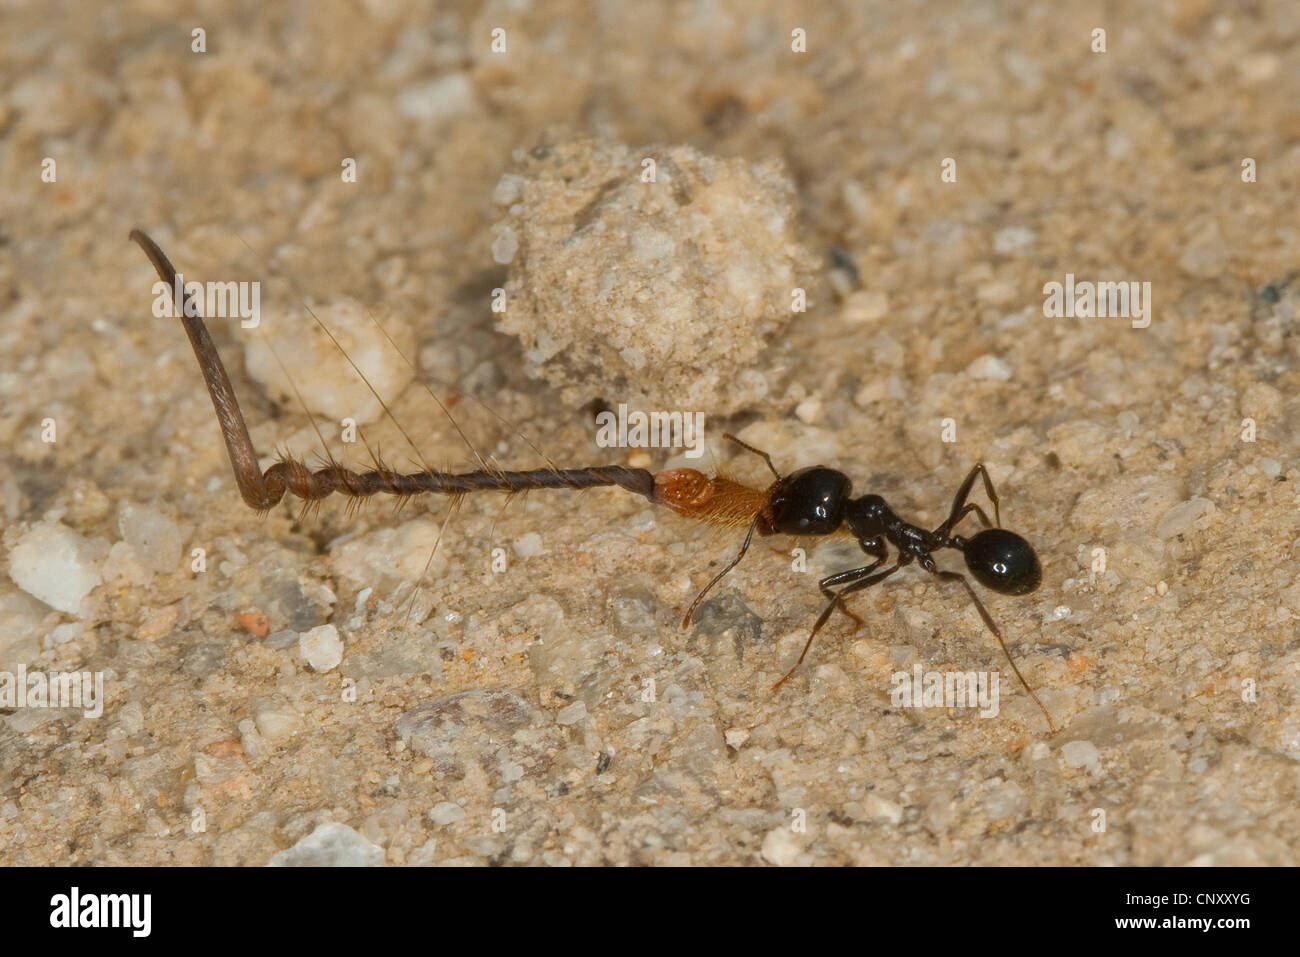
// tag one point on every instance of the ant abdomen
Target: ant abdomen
(810, 501)
(1003, 561)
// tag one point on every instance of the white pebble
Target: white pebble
(446, 812)
(321, 647)
(1078, 754)
(863, 306)
(572, 714)
(882, 809)
(154, 538)
(989, 367)
(1183, 517)
(735, 737)
(326, 381)
(330, 845)
(509, 189)
(528, 545)
(441, 99)
(504, 245)
(780, 847)
(53, 563)
(1012, 238)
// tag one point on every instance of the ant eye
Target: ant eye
(1003, 561)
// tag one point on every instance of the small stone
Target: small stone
(528, 545)
(282, 639)
(159, 624)
(442, 99)
(154, 538)
(326, 382)
(780, 847)
(276, 721)
(735, 737)
(989, 367)
(330, 845)
(446, 812)
(255, 623)
(504, 245)
(1078, 754)
(809, 410)
(62, 634)
(864, 306)
(1012, 238)
(1184, 517)
(322, 647)
(572, 714)
(55, 564)
(882, 809)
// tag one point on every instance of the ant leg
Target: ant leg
(947, 527)
(866, 582)
(686, 622)
(954, 516)
(745, 445)
(928, 564)
(243, 457)
(872, 546)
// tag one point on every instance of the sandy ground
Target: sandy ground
(551, 711)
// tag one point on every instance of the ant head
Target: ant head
(808, 502)
(1003, 561)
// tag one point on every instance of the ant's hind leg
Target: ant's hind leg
(686, 622)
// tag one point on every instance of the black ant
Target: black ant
(811, 501)
(817, 501)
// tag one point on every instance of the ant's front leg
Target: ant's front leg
(944, 530)
(959, 507)
(874, 547)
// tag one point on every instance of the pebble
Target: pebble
(781, 846)
(55, 564)
(160, 624)
(62, 634)
(328, 384)
(572, 714)
(528, 545)
(276, 722)
(735, 737)
(989, 367)
(1184, 517)
(322, 647)
(155, 538)
(882, 809)
(437, 100)
(330, 845)
(1012, 238)
(864, 306)
(446, 812)
(1078, 754)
